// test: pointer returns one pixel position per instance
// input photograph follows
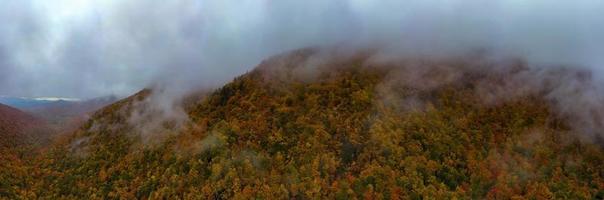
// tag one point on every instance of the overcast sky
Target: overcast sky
(89, 48)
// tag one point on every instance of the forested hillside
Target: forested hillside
(317, 125)
(18, 127)
(19, 133)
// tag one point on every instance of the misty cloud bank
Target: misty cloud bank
(85, 49)
(573, 97)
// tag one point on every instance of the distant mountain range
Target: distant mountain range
(56, 110)
(28, 103)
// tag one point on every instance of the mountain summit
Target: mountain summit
(322, 124)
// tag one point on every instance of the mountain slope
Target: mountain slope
(16, 125)
(68, 115)
(316, 125)
(19, 131)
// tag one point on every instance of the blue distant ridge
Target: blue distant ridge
(26, 103)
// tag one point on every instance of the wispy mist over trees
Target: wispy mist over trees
(266, 99)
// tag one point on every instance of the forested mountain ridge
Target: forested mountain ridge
(17, 126)
(311, 124)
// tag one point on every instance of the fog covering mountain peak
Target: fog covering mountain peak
(85, 49)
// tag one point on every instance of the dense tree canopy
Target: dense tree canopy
(350, 130)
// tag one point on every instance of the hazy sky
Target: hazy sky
(89, 48)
